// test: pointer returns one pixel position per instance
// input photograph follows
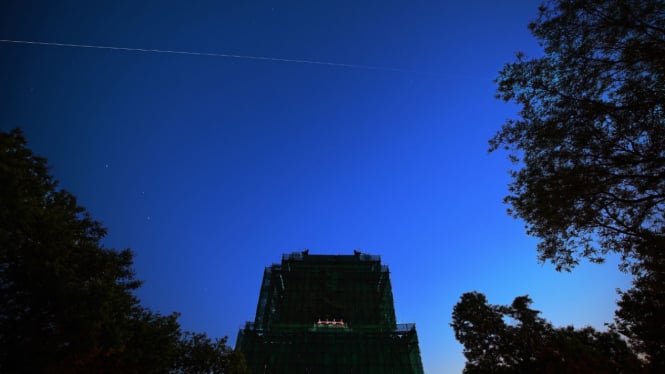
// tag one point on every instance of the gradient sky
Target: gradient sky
(210, 168)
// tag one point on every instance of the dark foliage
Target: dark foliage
(590, 139)
(641, 313)
(198, 354)
(514, 339)
(67, 302)
(590, 146)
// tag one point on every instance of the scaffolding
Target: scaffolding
(328, 314)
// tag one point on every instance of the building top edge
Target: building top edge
(304, 255)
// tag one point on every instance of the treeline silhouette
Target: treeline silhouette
(67, 303)
(515, 339)
(589, 151)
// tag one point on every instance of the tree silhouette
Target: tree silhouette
(67, 302)
(641, 313)
(589, 144)
(514, 339)
(590, 137)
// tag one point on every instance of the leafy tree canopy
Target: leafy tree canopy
(198, 354)
(67, 302)
(641, 314)
(590, 137)
(514, 339)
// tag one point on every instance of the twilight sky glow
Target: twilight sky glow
(210, 168)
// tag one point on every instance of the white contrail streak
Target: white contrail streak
(225, 55)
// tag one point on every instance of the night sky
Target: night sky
(210, 168)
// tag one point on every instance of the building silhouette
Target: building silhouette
(328, 314)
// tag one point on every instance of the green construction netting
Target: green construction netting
(328, 314)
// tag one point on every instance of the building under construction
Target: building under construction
(328, 314)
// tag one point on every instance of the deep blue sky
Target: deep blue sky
(210, 168)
